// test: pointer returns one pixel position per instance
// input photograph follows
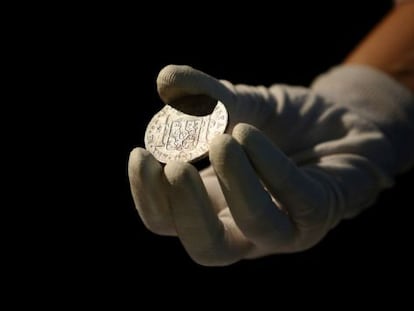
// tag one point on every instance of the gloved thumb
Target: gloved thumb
(176, 82)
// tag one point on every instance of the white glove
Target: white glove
(294, 163)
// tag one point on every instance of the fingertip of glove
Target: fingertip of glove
(141, 162)
(137, 155)
(220, 142)
(177, 81)
(242, 132)
(172, 81)
(223, 149)
(173, 68)
(179, 171)
(169, 74)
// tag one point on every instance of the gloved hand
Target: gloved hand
(294, 162)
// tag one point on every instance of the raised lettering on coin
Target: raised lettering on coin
(172, 135)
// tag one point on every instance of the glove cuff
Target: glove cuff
(377, 97)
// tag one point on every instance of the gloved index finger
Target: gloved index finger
(251, 206)
(301, 196)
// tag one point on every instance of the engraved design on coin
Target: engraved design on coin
(172, 135)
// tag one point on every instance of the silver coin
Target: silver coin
(172, 135)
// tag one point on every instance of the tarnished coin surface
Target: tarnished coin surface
(172, 135)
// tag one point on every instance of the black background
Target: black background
(115, 58)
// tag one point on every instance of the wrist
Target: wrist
(378, 98)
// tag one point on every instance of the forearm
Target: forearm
(390, 46)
